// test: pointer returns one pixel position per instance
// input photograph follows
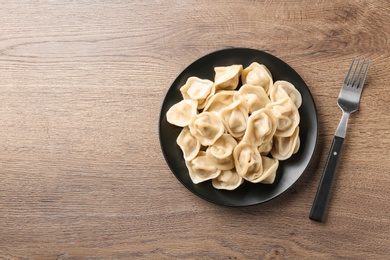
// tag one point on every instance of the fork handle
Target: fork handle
(321, 200)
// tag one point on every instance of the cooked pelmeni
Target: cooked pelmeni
(219, 100)
(258, 75)
(281, 89)
(235, 117)
(265, 147)
(261, 127)
(207, 127)
(227, 180)
(201, 169)
(284, 147)
(188, 144)
(181, 113)
(198, 90)
(270, 167)
(221, 152)
(287, 115)
(227, 77)
(255, 96)
(247, 161)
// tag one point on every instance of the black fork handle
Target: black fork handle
(321, 199)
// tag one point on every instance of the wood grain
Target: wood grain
(82, 175)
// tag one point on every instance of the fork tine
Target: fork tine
(360, 87)
(358, 78)
(352, 79)
(349, 71)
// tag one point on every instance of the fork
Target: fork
(348, 101)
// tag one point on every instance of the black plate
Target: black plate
(289, 171)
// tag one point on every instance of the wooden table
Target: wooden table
(82, 175)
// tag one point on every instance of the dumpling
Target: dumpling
(282, 89)
(220, 100)
(247, 161)
(287, 115)
(261, 127)
(201, 169)
(270, 167)
(235, 117)
(258, 75)
(181, 113)
(198, 90)
(207, 127)
(227, 180)
(188, 144)
(284, 147)
(227, 77)
(255, 96)
(221, 152)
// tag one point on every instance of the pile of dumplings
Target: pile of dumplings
(233, 133)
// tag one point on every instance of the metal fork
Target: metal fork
(348, 101)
